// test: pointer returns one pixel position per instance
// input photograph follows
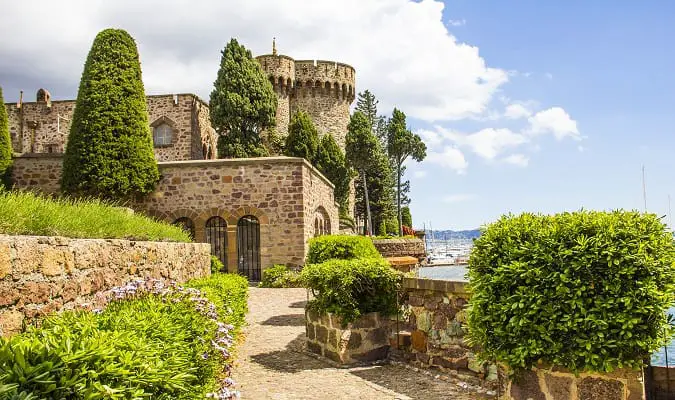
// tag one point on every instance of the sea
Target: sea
(458, 273)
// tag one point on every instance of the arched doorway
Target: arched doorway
(216, 236)
(187, 225)
(248, 247)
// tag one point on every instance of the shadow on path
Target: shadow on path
(286, 320)
(291, 359)
(298, 304)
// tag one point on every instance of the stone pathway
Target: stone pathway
(271, 363)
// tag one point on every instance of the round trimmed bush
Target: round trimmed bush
(584, 290)
(342, 247)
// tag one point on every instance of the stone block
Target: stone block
(353, 340)
(315, 348)
(331, 355)
(526, 387)
(424, 358)
(451, 363)
(321, 334)
(333, 338)
(310, 331)
(424, 321)
(559, 387)
(431, 303)
(377, 336)
(11, 322)
(418, 340)
(379, 353)
(454, 329)
(415, 300)
(590, 388)
(369, 320)
(5, 262)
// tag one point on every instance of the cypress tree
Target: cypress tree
(243, 104)
(303, 139)
(109, 153)
(331, 161)
(5, 145)
(406, 216)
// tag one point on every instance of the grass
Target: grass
(25, 213)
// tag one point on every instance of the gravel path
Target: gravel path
(271, 363)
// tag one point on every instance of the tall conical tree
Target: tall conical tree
(243, 104)
(109, 153)
(303, 139)
(5, 145)
(361, 146)
(331, 161)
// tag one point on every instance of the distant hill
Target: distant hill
(449, 234)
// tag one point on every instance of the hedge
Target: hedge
(351, 288)
(342, 247)
(280, 276)
(153, 340)
(584, 290)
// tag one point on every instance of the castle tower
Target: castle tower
(323, 89)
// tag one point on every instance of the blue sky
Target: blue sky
(525, 105)
(610, 68)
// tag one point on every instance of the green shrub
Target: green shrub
(25, 213)
(583, 290)
(216, 265)
(110, 149)
(229, 292)
(303, 139)
(280, 276)
(351, 288)
(342, 247)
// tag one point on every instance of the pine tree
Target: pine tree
(380, 189)
(5, 145)
(402, 144)
(242, 105)
(303, 139)
(109, 153)
(332, 163)
(367, 104)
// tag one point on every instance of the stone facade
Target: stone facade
(363, 340)
(39, 172)
(660, 383)
(412, 247)
(43, 126)
(40, 274)
(323, 89)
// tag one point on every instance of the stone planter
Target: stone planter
(364, 340)
(400, 247)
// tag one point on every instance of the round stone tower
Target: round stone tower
(323, 89)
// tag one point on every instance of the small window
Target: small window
(162, 135)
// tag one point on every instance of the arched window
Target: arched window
(187, 225)
(321, 222)
(216, 236)
(162, 135)
(248, 247)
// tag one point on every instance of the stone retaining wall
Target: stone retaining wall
(364, 340)
(400, 247)
(661, 383)
(40, 274)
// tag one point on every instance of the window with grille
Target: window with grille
(162, 135)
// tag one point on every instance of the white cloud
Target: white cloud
(517, 159)
(554, 120)
(548, 75)
(456, 22)
(450, 157)
(458, 198)
(422, 69)
(419, 174)
(517, 111)
(487, 143)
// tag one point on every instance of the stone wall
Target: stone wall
(40, 274)
(363, 340)
(412, 247)
(546, 383)
(43, 127)
(660, 383)
(39, 172)
(318, 192)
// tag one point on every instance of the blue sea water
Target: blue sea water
(458, 272)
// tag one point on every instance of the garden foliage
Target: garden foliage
(229, 292)
(343, 247)
(216, 265)
(5, 145)
(351, 288)
(303, 139)
(280, 276)
(584, 290)
(331, 161)
(25, 213)
(166, 343)
(110, 151)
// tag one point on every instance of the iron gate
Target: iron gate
(216, 236)
(248, 247)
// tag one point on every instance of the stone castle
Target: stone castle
(254, 212)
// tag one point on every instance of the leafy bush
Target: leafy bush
(163, 344)
(350, 288)
(229, 292)
(303, 139)
(216, 265)
(583, 290)
(342, 247)
(280, 276)
(25, 213)
(110, 150)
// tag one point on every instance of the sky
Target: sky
(524, 105)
